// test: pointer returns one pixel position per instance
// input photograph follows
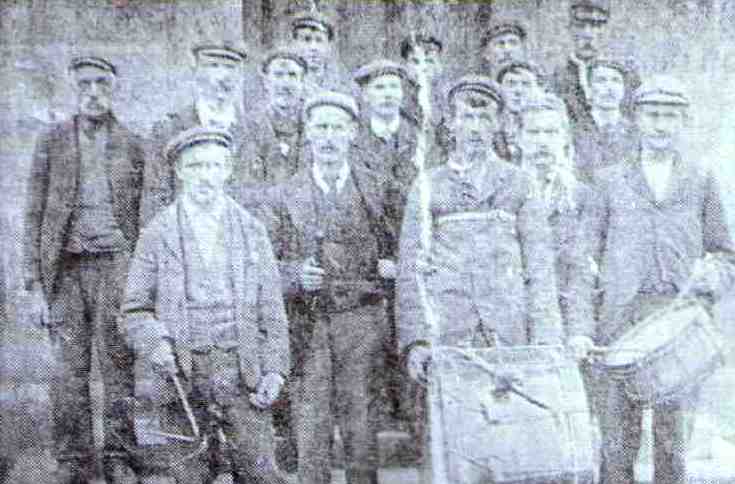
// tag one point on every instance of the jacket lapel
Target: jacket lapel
(301, 201)
(67, 168)
(637, 182)
(678, 182)
(171, 232)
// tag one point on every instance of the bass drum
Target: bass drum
(534, 427)
(667, 354)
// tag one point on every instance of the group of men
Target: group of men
(261, 240)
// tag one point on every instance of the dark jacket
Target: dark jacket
(566, 83)
(53, 191)
(291, 218)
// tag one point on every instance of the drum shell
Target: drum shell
(506, 439)
(678, 365)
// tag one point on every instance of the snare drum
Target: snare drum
(667, 354)
(546, 435)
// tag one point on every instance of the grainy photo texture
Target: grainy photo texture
(367, 242)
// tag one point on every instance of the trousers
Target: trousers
(85, 311)
(333, 386)
(219, 401)
(621, 421)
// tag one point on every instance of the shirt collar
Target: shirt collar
(473, 170)
(609, 119)
(649, 157)
(210, 116)
(344, 173)
(383, 129)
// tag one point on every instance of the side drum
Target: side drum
(667, 354)
(541, 433)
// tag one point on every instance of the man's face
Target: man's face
(660, 125)
(587, 37)
(519, 85)
(94, 89)
(425, 61)
(474, 125)
(503, 48)
(284, 82)
(218, 80)
(607, 87)
(543, 140)
(330, 131)
(384, 95)
(203, 171)
(314, 43)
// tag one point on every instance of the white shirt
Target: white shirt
(605, 119)
(657, 172)
(384, 130)
(344, 173)
(210, 116)
(207, 226)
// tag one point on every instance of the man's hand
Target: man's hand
(37, 312)
(579, 347)
(162, 357)
(312, 276)
(705, 279)
(387, 269)
(268, 390)
(419, 360)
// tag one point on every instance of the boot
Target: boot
(361, 476)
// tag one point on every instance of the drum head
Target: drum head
(651, 334)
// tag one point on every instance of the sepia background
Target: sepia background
(150, 43)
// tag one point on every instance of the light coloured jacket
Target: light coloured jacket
(494, 263)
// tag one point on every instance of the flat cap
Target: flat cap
(499, 28)
(92, 61)
(283, 52)
(627, 67)
(313, 19)
(381, 67)
(226, 51)
(410, 42)
(193, 137)
(661, 89)
(517, 65)
(590, 11)
(333, 98)
(481, 85)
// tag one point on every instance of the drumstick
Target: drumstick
(608, 349)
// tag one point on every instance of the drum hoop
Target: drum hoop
(678, 390)
(666, 346)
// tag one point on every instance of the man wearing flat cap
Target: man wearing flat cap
(203, 306)
(521, 82)
(609, 136)
(330, 237)
(217, 103)
(314, 33)
(502, 43)
(81, 225)
(587, 24)
(662, 228)
(274, 132)
(484, 225)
